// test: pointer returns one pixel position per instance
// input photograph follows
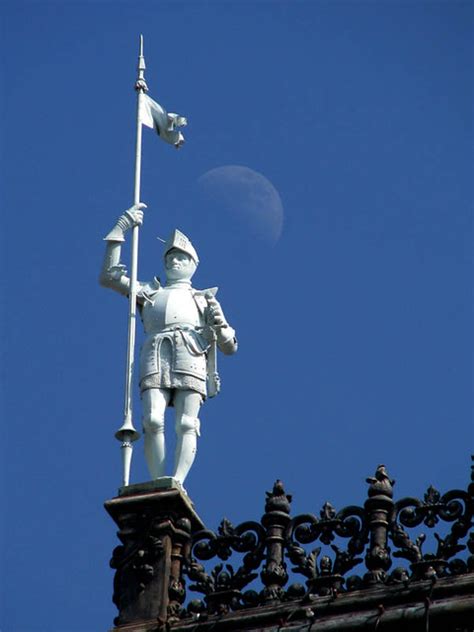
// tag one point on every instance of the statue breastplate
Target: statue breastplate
(170, 307)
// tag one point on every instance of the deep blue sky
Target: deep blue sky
(355, 329)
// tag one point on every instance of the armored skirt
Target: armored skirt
(175, 360)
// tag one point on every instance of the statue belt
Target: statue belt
(195, 344)
(176, 327)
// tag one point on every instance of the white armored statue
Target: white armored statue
(178, 357)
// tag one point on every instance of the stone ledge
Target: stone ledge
(162, 495)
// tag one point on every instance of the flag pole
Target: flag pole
(127, 433)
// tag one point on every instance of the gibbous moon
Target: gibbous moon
(247, 195)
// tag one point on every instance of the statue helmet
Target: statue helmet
(179, 240)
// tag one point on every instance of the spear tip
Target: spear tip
(141, 60)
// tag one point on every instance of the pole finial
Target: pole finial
(141, 83)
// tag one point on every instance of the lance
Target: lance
(127, 433)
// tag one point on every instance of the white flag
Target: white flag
(153, 115)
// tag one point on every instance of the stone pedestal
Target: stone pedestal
(155, 522)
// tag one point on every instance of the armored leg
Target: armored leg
(155, 401)
(187, 404)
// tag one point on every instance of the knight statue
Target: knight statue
(183, 326)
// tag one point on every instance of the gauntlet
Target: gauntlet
(127, 220)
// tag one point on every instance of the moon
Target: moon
(248, 196)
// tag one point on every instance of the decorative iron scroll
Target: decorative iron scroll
(370, 537)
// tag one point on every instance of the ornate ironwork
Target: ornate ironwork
(420, 551)
(223, 586)
(369, 536)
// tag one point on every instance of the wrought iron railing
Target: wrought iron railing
(313, 555)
